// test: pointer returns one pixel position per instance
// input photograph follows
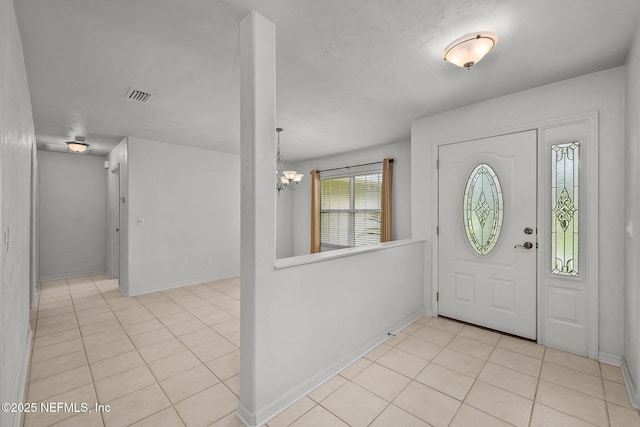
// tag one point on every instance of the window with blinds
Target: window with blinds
(350, 210)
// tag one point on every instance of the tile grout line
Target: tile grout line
(141, 358)
(137, 350)
(535, 394)
(29, 380)
(82, 336)
(111, 310)
(570, 389)
(411, 380)
(604, 393)
(575, 391)
(389, 403)
(84, 348)
(78, 327)
(187, 349)
(475, 379)
(414, 378)
(213, 304)
(504, 389)
(203, 363)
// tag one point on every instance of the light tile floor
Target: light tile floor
(172, 359)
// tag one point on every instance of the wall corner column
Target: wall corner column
(257, 201)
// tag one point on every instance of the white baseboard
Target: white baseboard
(428, 312)
(253, 419)
(36, 299)
(167, 286)
(17, 422)
(123, 288)
(406, 322)
(632, 391)
(245, 416)
(69, 275)
(609, 358)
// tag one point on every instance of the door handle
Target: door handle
(527, 245)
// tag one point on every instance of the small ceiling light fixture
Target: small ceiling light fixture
(78, 145)
(285, 179)
(470, 49)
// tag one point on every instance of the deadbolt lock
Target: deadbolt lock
(528, 230)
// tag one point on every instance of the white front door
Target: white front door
(487, 232)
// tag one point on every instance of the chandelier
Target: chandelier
(285, 179)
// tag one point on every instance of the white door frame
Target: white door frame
(589, 176)
(114, 221)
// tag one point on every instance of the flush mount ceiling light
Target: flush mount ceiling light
(285, 179)
(78, 145)
(470, 49)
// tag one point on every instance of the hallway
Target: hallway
(171, 358)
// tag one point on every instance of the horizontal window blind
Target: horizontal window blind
(350, 210)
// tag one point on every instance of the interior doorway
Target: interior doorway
(114, 233)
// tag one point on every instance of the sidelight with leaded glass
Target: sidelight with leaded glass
(564, 208)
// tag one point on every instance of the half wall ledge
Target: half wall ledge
(341, 253)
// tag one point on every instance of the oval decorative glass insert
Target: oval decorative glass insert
(482, 209)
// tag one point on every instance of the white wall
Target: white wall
(604, 92)
(285, 215)
(190, 201)
(16, 145)
(301, 197)
(72, 196)
(632, 213)
(329, 313)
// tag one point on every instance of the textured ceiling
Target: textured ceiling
(351, 73)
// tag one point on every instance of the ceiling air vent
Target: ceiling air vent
(137, 95)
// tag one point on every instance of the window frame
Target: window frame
(352, 211)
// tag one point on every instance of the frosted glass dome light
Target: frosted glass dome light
(470, 49)
(78, 145)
